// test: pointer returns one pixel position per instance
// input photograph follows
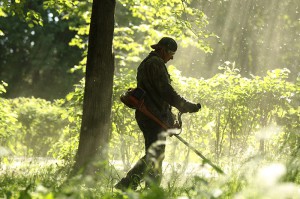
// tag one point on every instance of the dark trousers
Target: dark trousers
(149, 167)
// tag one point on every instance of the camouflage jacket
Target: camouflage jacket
(153, 77)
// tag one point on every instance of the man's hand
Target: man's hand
(195, 108)
(191, 107)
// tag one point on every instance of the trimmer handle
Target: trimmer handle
(178, 121)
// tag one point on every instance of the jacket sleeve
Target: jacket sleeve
(159, 77)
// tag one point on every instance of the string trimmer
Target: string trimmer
(134, 98)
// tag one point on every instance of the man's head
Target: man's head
(166, 47)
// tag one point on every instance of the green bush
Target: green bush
(9, 125)
(65, 148)
(239, 115)
(30, 126)
(41, 122)
(244, 124)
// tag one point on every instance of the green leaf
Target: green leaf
(70, 96)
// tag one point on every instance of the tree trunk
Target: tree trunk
(95, 126)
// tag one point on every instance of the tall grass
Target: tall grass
(255, 177)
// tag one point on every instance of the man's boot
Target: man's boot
(128, 183)
(123, 184)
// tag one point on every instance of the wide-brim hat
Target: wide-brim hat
(166, 42)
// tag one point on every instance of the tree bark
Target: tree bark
(95, 125)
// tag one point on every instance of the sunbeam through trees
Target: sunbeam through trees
(64, 133)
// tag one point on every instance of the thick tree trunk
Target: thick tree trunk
(95, 126)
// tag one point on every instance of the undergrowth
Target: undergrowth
(256, 178)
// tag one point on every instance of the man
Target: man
(154, 79)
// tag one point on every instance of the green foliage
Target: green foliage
(35, 60)
(8, 123)
(32, 178)
(241, 117)
(124, 127)
(135, 20)
(236, 108)
(44, 179)
(138, 27)
(65, 148)
(183, 21)
(24, 10)
(41, 125)
(29, 126)
(2, 87)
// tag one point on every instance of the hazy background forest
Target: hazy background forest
(238, 58)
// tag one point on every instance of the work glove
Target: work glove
(191, 107)
(195, 108)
